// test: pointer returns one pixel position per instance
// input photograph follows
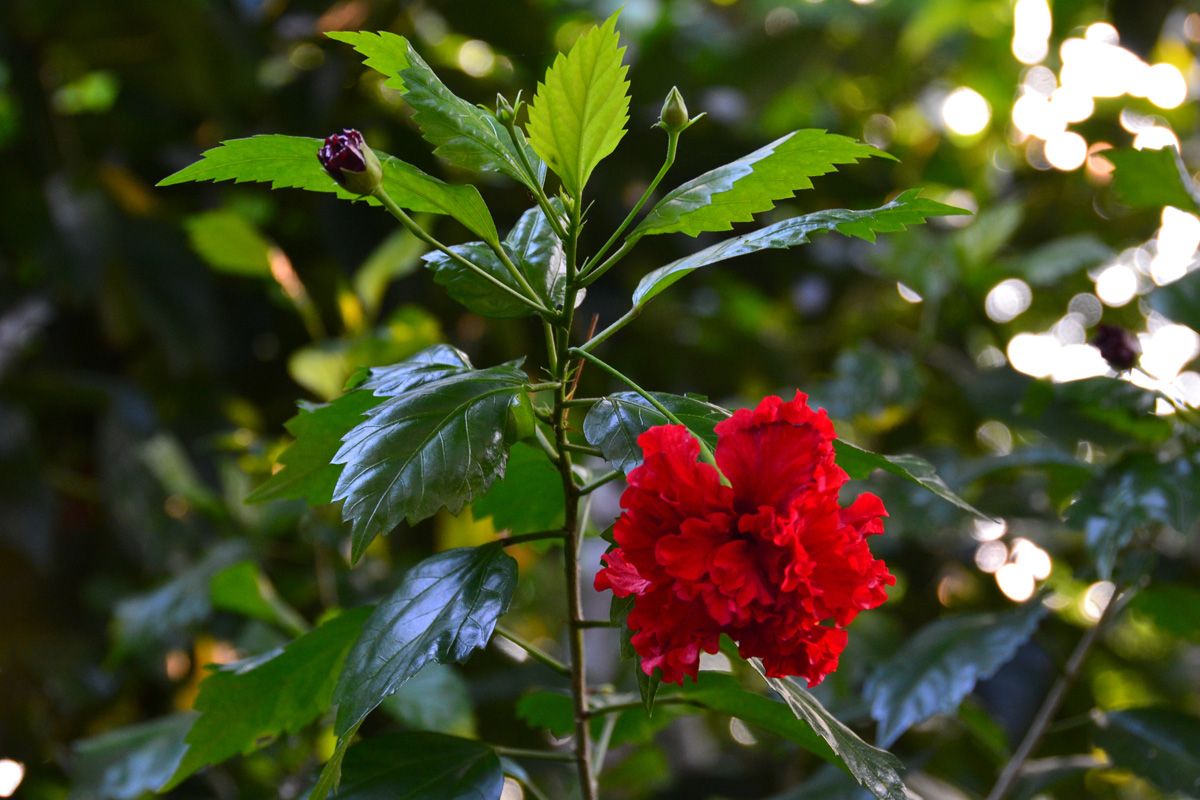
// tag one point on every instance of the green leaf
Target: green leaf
(436, 446)
(290, 162)
(534, 249)
(648, 685)
(242, 589)
(1161, 745)
(421, 766)
(243, 705)
(860, 463)
(938, 667)
(1050, 263)
(1179, 300)
(907, 209)
(435, 699)
(579, 113)
(615, 423)
(529, 498)
(1152, 178)
(396, 257)
(878, 771)
(752, 184)
(129, 762)
(153, 617)
(1135, 492)
(463, 134)
(307, 472)
(444, 609)
(1173, 608)
(228, 242)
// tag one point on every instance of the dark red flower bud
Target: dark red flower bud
(1118, 346)
(348, 160)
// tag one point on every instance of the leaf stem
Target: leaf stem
(581, 402)
(587, 271)
(541, 387)
(597, 623)
(539, 192)
(583, 449)
(705, 451)
(628, 317)
(530, 537)
(523, 752)
(607, 477)
(535, 652)
(416, 230)
(1045, 714)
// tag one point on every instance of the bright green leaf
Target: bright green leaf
(531, 245)
(421, 766)
(444, 609)
(436, 446)
(243, 705)
(1173, 608)
(1161, 745)
(1152, 178)
(228, 242)
(290, 162)
(907, 209)
(615, 423)
(129, 762)
(737, 191)
(464, 134)
(529, 498)
(241, 588)
(878, 771)
(860, 463)
(942, 664)
(579, 113)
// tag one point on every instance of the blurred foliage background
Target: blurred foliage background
(153, 342)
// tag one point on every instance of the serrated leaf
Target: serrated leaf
(463, 134)
(421, 766)
(615, 423)
(229, 243)
(579, 113)
(444, 609)
(876, 770)
(436, 446)
(907, 209)
(529, 498)
(1161, 745)
(307, 473)
(860, 463)
(126, 763)
(531, 245)
(243, 705)
(290, 162)
(737, 191)
(1152, 178)
(942, 664)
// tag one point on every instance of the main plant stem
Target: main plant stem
(573, 525)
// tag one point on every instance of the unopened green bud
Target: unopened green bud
(504, 110)
(674, 115)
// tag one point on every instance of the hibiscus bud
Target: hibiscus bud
(348, 160)
(504, 110)
(1118, 346)
(674, 115)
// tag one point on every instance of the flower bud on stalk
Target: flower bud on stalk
(348, 160)
(674, 114)
(505, 111)
(1118, 346)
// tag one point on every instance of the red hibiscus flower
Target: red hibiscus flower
(773, 560)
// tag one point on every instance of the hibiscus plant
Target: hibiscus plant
(734, 537)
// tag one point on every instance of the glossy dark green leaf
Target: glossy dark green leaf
(171, 609)
(290, 162)
(740, 189)
(934, 671)
(615, 423)
(907, 209)
(876, 770)
(529, 498)
(246, 704)
(464, 134)
(1134, 492)
(579, 113)
(531, 246)
(444, 609)
(307, 471)
(435, 446)
(860, 463)
(421, 766)
(129, 762)
(435, 699)
(1161, 745)
(1152, 178)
